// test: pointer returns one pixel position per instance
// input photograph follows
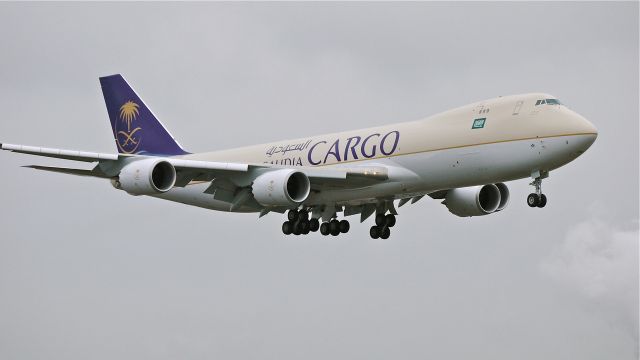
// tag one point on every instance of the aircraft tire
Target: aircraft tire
(314, 225)
(344, 226)
(533, 200)
(287, 228)
(543, 201)
(380, 219)
(325, 229)
(390, 220)
(304, 226)
(334, 225)
(374, 232)
(386, 232)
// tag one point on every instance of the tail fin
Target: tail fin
(135, 128)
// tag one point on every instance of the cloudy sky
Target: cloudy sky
(87, 272)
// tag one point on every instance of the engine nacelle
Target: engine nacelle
(477, 200)
(504, 196)
(284, 187)
(146, 177)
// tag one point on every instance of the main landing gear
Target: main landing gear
(381, 228)
(538, 199)
(298, 223)
(335, 227)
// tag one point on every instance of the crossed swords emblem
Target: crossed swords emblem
(129, 136)
(128, 113)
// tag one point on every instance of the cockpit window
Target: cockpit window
(548, 102)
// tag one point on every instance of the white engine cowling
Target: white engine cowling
(281, 188)
(477, 200)
(146, 177)
(504, 196)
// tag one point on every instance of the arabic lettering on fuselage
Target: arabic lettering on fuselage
(286, 148)
(349, 149)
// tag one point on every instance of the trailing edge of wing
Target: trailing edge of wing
(207, 165)
(70, 171)
(197, 170)
(59, 153)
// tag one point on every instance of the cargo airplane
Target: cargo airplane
(461, 156)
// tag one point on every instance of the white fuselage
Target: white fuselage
(497, 140)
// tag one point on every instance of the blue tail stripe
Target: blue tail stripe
(135, 129)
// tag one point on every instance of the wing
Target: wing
(59, 153)
(189, 171)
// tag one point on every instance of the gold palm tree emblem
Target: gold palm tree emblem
(128, 113)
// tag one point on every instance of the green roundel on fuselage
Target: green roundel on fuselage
(478, 123)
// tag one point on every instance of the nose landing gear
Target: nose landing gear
(537, 199)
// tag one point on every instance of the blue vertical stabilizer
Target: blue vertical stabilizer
(135, 128)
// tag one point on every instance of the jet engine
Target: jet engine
(146, 177)
(284, 187)
(477, 200)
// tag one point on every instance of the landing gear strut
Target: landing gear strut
(537, 199)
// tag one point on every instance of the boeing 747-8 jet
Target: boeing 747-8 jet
(462, 157)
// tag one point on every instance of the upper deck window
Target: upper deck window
(548, 102)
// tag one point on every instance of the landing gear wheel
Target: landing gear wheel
(325, 229)
(374, 232)
(533, 200)
(304, 227)
(344, 226)
(380, 219)
(334, 225)
(303, 215)
(543, 201)
(297, 228)
(292, 215)
(386, 232)
(314, 225)
(390, 220)
(287, 228)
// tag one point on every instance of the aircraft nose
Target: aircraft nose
(587, 127)
(586, 131)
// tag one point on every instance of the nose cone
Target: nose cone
(585, 133)
(586, 128)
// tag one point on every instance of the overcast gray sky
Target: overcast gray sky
(87, 272)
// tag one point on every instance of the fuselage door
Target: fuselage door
(516, 109)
